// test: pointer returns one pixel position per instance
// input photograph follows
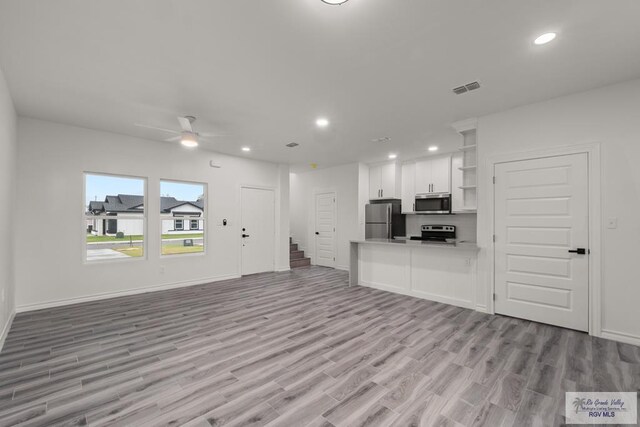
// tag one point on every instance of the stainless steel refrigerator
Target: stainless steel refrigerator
(384, 220)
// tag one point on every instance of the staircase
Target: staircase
(296, 257)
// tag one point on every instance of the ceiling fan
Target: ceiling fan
(187, 136)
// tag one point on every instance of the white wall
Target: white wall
(51, 161)
(344, 181)
(610, 116)
(8, 152)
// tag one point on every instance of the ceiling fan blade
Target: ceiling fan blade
(213, 135)
(141, 125)
(185, 124)
(174, 138)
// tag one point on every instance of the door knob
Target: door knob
(317, 233)
(245, 235)
(579, 251)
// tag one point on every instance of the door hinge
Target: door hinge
(494, 238)
(494, 296)
(494, 179)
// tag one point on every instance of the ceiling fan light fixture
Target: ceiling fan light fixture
(334, 2)
(189, 140)
(544, 38)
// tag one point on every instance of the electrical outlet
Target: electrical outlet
(612, 223)
(162, 269)
(467, 261)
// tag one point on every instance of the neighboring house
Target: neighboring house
(178, 216)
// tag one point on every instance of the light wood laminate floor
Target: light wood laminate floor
(292, 349)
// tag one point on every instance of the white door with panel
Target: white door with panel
(258, 230)
(541, 242)
(325, 229)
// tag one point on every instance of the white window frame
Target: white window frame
(139, 217)
(175, 224)
(203, 217)
(191, 221)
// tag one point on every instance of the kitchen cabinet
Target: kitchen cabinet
(408, 191)
(433, 175)
(384, 181)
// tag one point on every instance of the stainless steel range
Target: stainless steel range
(437, 233)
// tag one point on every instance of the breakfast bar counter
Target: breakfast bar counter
(442, 272)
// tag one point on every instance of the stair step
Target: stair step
(293, 247)
(296, 254)
(301, 262)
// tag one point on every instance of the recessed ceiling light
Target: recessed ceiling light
(334, 2)
(246, 149)
(189, 140)
(545, 38)
(433, 148)
(392, 156)
(322, 122)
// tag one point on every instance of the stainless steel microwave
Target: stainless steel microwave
(433, 204)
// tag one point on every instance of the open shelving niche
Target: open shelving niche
(469, 187)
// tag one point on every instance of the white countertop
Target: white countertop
(419, 244)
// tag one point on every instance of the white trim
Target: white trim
(7, 327)
(314, 254)
(108, 295)
(620, 336)
(595, 220)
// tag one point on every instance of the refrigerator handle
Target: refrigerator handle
(389, 222)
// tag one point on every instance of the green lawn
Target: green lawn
(95, 239)
(136, 251)
(174, 249)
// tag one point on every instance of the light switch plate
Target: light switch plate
(612, 223)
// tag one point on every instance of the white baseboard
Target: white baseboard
(282, 269)
(620, 336)
(5, 330)
(482, 308)
(107, 295)
(342, 267)
(421, 295)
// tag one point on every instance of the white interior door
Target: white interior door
(325, 229)
(541, 215)
(258, 230)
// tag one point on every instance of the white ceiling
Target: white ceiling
(263, 71)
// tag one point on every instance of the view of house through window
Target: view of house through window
(182, 216)
(114, 217)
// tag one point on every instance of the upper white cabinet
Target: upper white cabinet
(384, 181)
(408, 187)
(433, 175)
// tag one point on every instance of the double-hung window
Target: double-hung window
(114, 217)
(182, 215)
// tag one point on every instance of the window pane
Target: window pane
(114, 217)
(182, 207)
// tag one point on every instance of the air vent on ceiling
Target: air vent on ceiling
(381, 140)
(292, 144)
(466, 88)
